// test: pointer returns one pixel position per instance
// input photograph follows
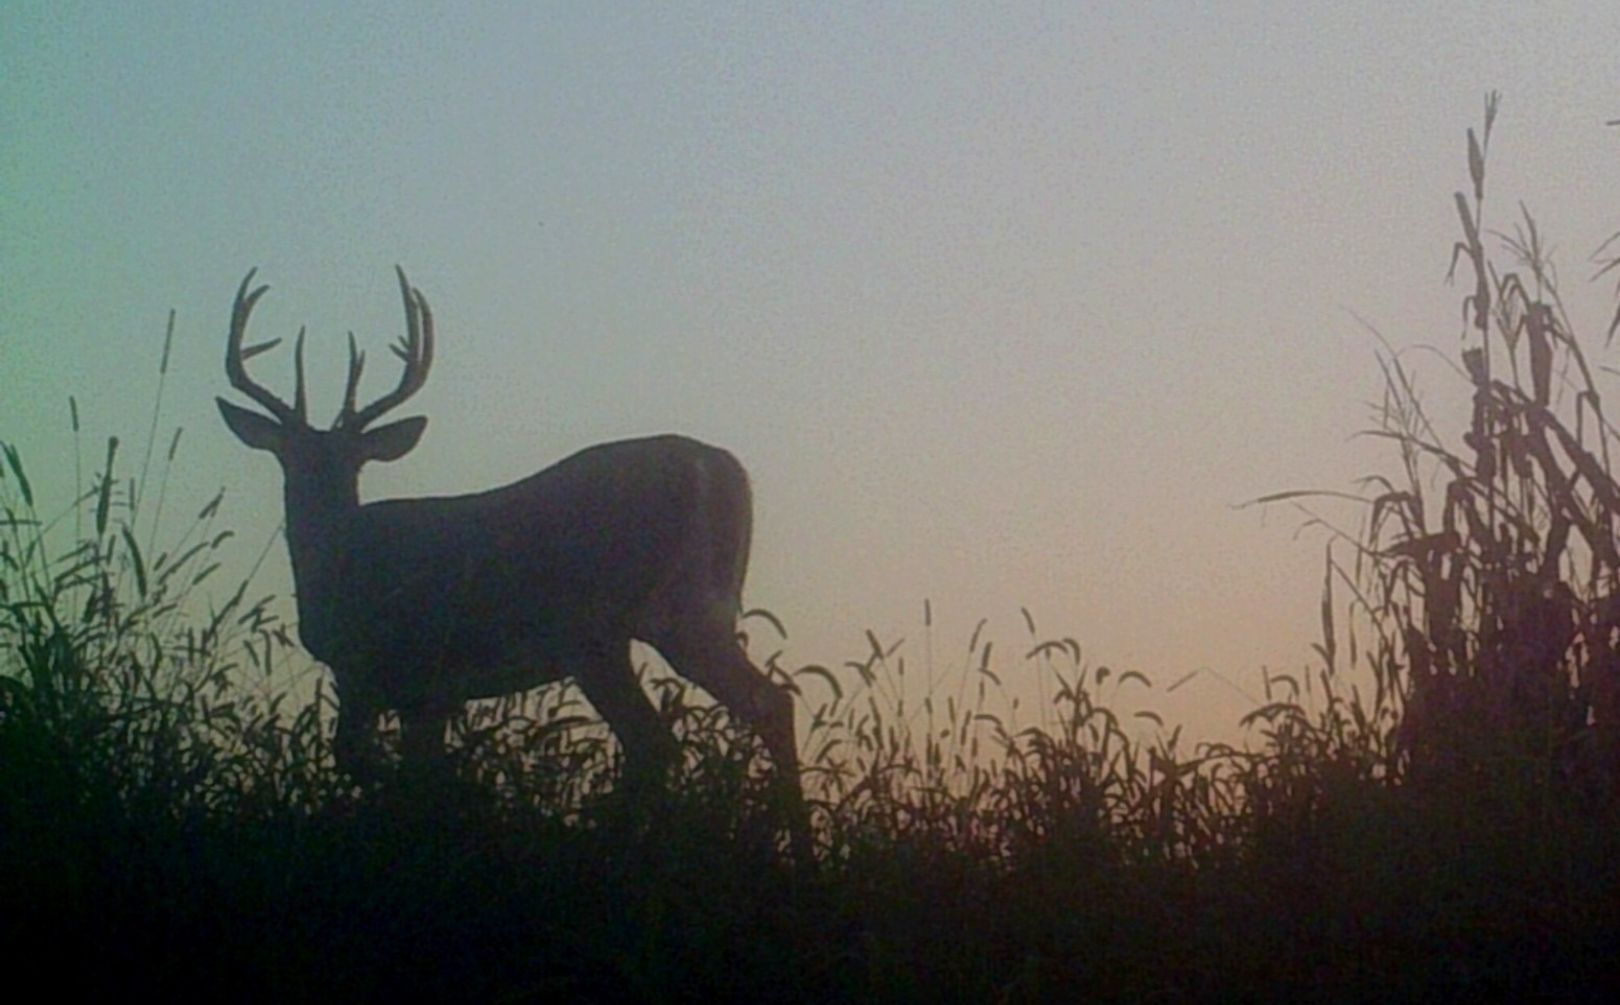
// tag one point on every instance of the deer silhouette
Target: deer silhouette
(420, 605)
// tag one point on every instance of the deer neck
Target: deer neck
(318, 529)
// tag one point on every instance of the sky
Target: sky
(1002, 307)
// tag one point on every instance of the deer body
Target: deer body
(615, 539)
(419, 605)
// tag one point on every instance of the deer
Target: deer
(419, 605)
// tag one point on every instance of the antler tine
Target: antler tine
(236, 356)
(357, 363)
(415, 349)
(300, 401)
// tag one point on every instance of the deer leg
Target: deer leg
(353, 748)
(608, 679)
(715, 661)
(421, 733)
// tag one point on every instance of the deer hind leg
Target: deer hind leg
(711, 657)
(608, 678)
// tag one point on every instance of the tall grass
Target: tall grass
(1486, 578)
(167, 810)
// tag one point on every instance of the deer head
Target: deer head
(322, 466)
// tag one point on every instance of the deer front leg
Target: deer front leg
(354, 747)
(421, 734)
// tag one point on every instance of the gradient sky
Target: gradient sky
(1000, 308)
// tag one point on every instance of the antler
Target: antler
(415, 349)
(236, 358)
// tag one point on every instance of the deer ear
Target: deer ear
(251, 428)
(393, 441)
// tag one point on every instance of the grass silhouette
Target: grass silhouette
(170, 821)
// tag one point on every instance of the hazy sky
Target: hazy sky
(1000, 308)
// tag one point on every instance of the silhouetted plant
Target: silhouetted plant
(1489, 573)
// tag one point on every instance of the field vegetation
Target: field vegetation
(1430, 808)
